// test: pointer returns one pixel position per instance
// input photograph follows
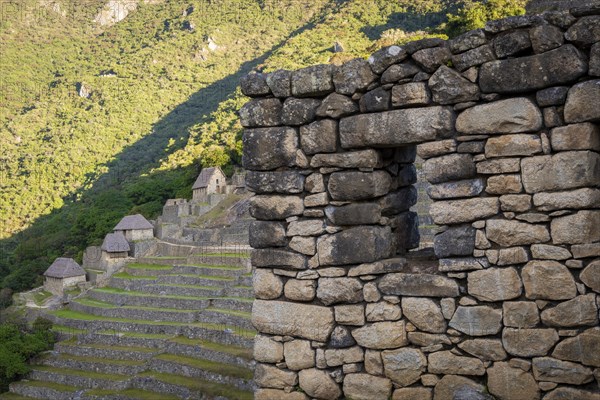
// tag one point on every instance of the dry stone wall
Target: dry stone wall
(505, 118)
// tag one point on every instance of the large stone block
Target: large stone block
(357, 245)
(495, 284)
(467, 41)
(509, 233)
(381, 335)
(269, 376)
(267, 234)
(590, 276)
(575, 199)
(318, 384)
(352, 76)
(581, 102)
(583, 227)
(404, 366)
(552, 370)
(312, 81)
(450, 167)
(424, 313)
(402, 284)
(586, 31)
(284, 182)
(450, 87)
(504, 116)
(366, 387)
(261, 112)
(275, 207)
(398, 201)
(570, 393)
(267, 285)
(484, 349)
(580, 311)
(520, 314)
(509, 383)
(354, 185)
(510, 43)
(460, 211)
(410, 94)
(352, 159)
(280, 83)
(382, 59)
(529, 342)
(269, 148)
(473, 57)
(263, 258)
(339, 290)
(513, 145)
(582, 348)
(336, 106)
(456, 241)
(477, 321)
(299, 111)
(354, 214)
(584, 136)
(254, 85)
(454, 387)
(398, 127)
(548, 280)
(447, 363)
(319, 137)
(431, 58)
(451, 190)
(301, 320)
(522, 74)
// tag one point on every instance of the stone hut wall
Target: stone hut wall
(505, 119)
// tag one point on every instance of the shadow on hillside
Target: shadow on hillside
(409, 21)
(130, 166)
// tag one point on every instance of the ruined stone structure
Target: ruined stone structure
(506, 120)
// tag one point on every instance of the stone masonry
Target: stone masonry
(506, 121)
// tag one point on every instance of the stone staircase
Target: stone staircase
(163, 328)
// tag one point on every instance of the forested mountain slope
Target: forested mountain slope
(111, 107)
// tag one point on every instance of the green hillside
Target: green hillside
(160, 101)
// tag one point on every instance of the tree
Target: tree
(473, 14)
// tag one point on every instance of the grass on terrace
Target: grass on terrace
(229, 312)
(210, 366)
(51, 385)
(131, 394)
(228, 349)
(210, 266)
(204, 387)
(76, 315)
(81, 373)
(153, 267)
(125, 275)
(40, 297)
(99, 360)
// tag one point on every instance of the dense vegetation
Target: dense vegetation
(161, 102)
(18, 344)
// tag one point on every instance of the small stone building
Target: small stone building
(135, 227)
(115, 245)
(210, 181)
(63, 273)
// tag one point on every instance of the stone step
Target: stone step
(127, 394)
(147, 269)
(233, 303)
(179, 345)
(95, 364)
(224, 334)
(135, 298)
(127, 353)
(192, 388)
(30, 389)
(198, 280)
(239, 291)
(183, 290)
(238, 377)
(77, 378)
(241, 259)
(162, 260)
(210, 270)
(226, 317)
(131, 282)
(136, 313)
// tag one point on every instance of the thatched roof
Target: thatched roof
(133, 222)
(115, 243)
(64, 268)
(205, 177)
